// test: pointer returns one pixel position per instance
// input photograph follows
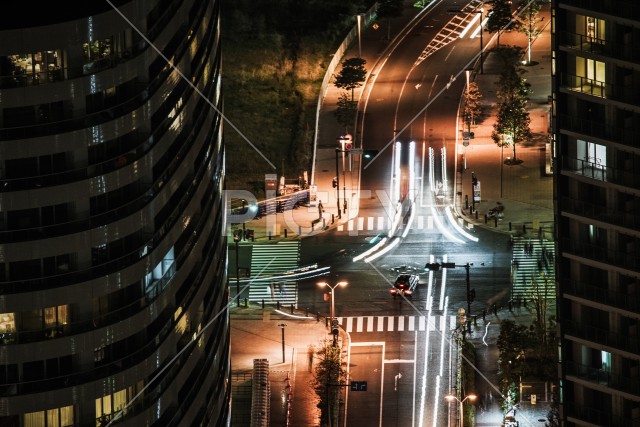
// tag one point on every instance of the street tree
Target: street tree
(512, 124)
(499, 17)
(352, 74)
(528, 25)
(327, 378)
(472, 107)
(346, 112)
(389, 9)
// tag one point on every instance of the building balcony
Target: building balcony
(597, 212)
(591, 416)
(626, 94)
(598, 130)
(629, 9)
(588, 44)
(598, 253)
(620, 300)
(608, 338)
(594, 170)
(601, 377)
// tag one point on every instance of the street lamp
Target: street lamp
(332, 312)
(359, 17)
(282, 325)
(451, 398)
(471, 293)
(481, 12)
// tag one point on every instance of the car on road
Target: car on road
(405, 284)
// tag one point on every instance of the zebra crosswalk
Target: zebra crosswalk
(381, 223)
(397, 323)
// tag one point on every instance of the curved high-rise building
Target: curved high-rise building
(112, 246)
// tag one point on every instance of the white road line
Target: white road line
(349, 327)
(370, 223)
(350, 225)
(369, 323)
(400, 323)
(360, 322)
(360, 223)
(380, 223)
(421, 323)
(390, 323)
(412, 323)
(380, 324)
(420, 222)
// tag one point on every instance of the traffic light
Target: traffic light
(334, 327)
(237, 235)
(248, 235)
(334, 182)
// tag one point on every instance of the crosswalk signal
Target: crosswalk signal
(249, 235)
(237, 235)
(334, 327)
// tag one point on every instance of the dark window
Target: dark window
(25, 218)
(22, 168)
(24, 270)
(33, 371)
(18, 116)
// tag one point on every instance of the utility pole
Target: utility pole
(338, 185)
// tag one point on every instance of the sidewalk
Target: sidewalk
(524, 190)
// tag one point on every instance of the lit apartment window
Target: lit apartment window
(109, 405)
(7, 323)
(57, 417)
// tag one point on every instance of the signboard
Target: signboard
(358, 386)
(476, 192)
(271, 181)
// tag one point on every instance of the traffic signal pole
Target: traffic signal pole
(434, 266)
(466, 267)
(338, 185)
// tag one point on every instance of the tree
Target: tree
(389, 9)
(346, 111)
(352, 74)
(499, 17)
(472, 107)
(327, 377)
(528, 25)
(513, 120)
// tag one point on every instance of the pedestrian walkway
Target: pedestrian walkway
(360, 324)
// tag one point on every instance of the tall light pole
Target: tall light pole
(451, 398)
(359, 16)
(332, 311)
(481, 12)
(282, 325)
(338, 185)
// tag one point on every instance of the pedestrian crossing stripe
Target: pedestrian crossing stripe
(397, 323)
(378, 224)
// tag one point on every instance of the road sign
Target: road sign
(358, 386)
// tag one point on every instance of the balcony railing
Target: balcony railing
(598, 253)
(600, 213)
(603, 336)
(627, 93)
(629, 9)
(601, 377)
(593, 416)
(593, 170)
(599, 130)
(621, 300)
(589, 44)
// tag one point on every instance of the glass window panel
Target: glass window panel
(66, 416)
(50, 316)
(34, 419)
(7, 322)
(53, 419)
(119, 399)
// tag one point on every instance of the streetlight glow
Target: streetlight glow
(324, 284)
(452, 398)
